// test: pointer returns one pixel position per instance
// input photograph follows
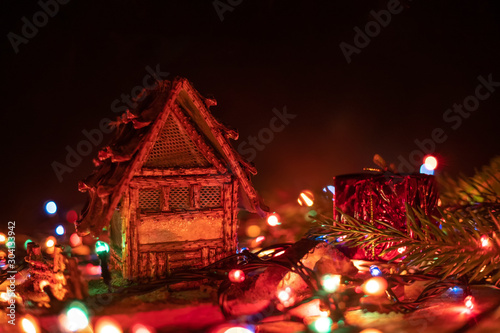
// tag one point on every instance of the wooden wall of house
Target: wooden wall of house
(152, 253)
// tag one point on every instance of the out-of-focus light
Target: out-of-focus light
(375, 271)
(425, 171)
(26, 243)
(485, 241)
(455, 289)
(430, 162)
(402, 249)
(29, 325)
(50, 207)
(341, 238)
(284, 294)
(75, 240)
(306, 198)
(279, 253)
(138, 328)
(330, 282)
(107, 325)
(2, 238)
(76, 317)
(469, 302)
(50, 242)
(44, 283)
(253, 231)
(322, 325)
(101, 247)
(375, 286)
(71, 216)
(236, 275)
(238, 329)
(273, 220)
(259, 239)
(4, 297)
(370, 330)
(60, 230)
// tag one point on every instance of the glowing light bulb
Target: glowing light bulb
(60, 230)
(2, 238)
(50, 242)
(138, 328)
(236, 275)
(50, 207)
(469, 302)
(375, 286)
(76, 317)
(330, 282)
(322, 325)
(284, 294)
(29, 325)
(101, 247)
(375, 271)
(370, 330)
(485, 241)
(273, 220)
(402, 249)
(4, 297)
(430, 162)
(306, 198)
(238, 329)
(107, 325)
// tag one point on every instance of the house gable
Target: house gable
(174, 148)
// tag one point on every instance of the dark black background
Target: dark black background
(263, 55)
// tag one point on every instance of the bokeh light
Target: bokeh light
(75, 240)
(375, 286)
(236, 275)
(29, 324)
(50, 207)
(71, 216)
(253, 231)
(107, 325)
(60, 230)
(330, 283)
(430, 162)
(273, 220)
(306, 198)
(322, 325)
(2, 238)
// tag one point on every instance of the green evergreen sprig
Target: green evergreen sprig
(455, 250)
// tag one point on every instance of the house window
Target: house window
(149, 200)
(179, 198)
(210, 197)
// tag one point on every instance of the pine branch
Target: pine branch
(455, 250)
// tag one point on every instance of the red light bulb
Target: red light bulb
(236, 276)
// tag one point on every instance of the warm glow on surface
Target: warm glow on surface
(43, 283)
(430, 162)
(375, 286)
(370, 330)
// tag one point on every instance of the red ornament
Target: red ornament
(382, 197)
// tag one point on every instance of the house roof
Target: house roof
(136, 132)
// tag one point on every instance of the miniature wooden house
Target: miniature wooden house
(168, 185)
